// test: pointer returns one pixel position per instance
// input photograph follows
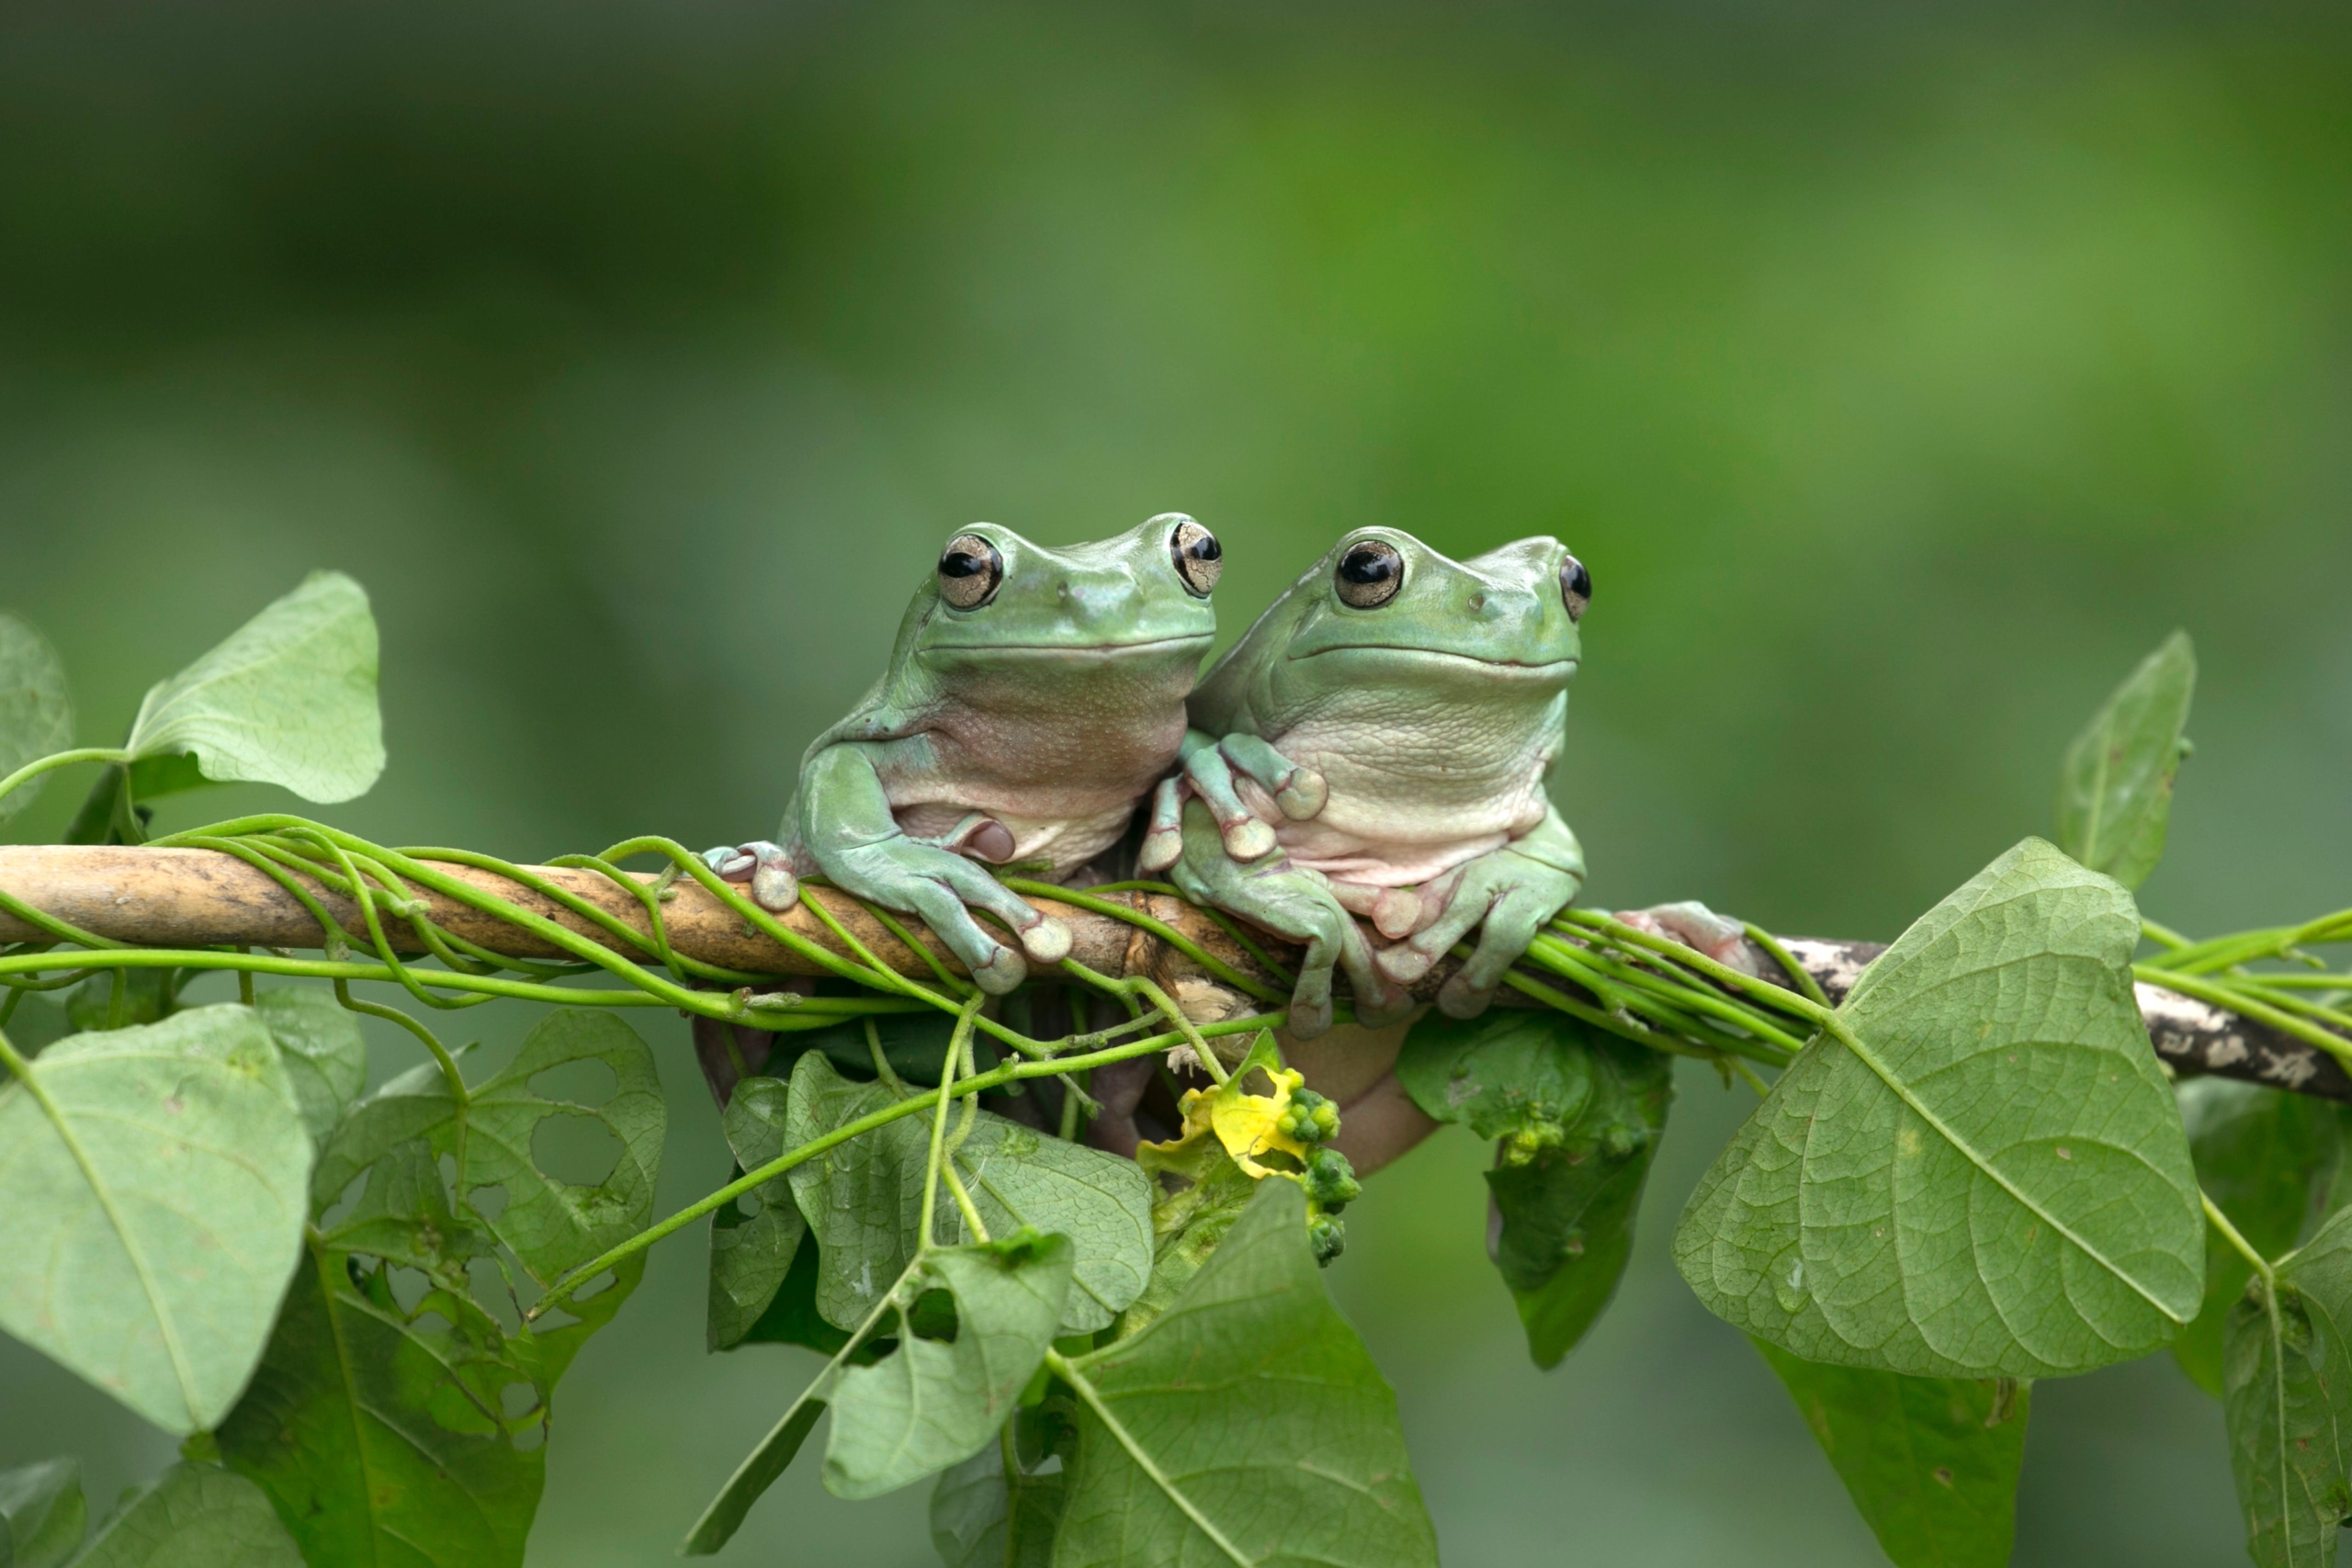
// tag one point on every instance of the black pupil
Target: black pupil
(956, 563)
(1579, 581)
(1202, 546)
(1368, 566)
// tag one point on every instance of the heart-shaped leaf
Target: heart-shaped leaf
(152, 1187)
(1988, 1177)
(288, 699)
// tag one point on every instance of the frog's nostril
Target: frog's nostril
(1478, 600)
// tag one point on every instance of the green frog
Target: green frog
(1382, 738)
(1032, 699)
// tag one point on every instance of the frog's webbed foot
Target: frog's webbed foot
(1208, 774)
(1695, 926)
(942, 887)
(1506, 897)
(765, 865)
(1297, 904)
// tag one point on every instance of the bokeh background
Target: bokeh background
(1903, 373)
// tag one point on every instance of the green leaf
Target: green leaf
(37, 1024)
(1564, 1213)
(791, 1317)
(1931, 1463)
(36, 711)
(288, 699)
(863, 1198)
(752, 1246)
(42, 1514)
(1508, 1071)
(933, 1403)
(152, 1187)
(2268, 1159)
(146, 997)
(2115, 786)
(195, 1516)
(1991, 1179)
(549, 1222)
(983, 1518)
(326, 1059)
(1246, 1423)
(2288, 1398)
(394, 1420)
(755, 1474)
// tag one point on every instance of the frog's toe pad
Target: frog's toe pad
(1003, 971)
(1303, 796)
(1457, 1000)
(773, 887)
(1249, 840)
(1396, 912)
(1047, 941)
(1403, 964)
(1161, 849)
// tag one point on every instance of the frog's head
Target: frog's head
(1384, 608)
(996, 597)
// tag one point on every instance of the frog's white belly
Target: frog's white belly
(1409, 806)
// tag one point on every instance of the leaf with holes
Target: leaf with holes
(36, 711)
(1562, 1211)
(288, 699)
(2287, 1394)
(933, 1403)
(195, 1516)
(43, 1515)
(1931, 1463)
(394, 1420)
(983, 1518)
(1247, 1424)
(326, 1060)
(1989, 1178)
(863, 1198)
(751, 1253)
(549, 1223)
(2115, 786)
(2270, 1160)
(151, 1207)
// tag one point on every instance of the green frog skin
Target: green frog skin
(1032, 700)
(1384, 729)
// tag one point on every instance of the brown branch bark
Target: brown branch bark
(200, 898)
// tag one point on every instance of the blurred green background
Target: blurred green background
(1903, 374)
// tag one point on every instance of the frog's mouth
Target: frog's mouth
(1438, 659)
(1071, 651)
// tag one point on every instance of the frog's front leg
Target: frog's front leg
(847, 830)
(1506, 895)
(1208, 772)
(1297, 904)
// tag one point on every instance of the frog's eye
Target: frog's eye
(1370, 574)
(969, 571)
(1200, 560)
(1575, 586)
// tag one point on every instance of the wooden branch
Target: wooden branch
(166, 897)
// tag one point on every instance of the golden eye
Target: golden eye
(1575, 586)
(969, 571)
(1200, 560)
(1370, 574)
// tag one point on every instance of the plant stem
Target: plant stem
(2221, 1222)
(41, 765)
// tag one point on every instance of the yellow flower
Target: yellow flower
(1247, 1126)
